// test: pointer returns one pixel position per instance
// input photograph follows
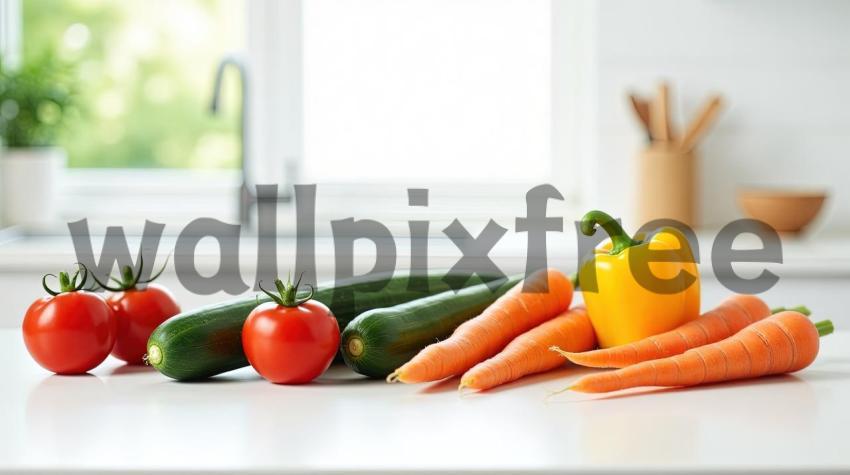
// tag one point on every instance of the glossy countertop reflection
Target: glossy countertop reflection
(123, 418)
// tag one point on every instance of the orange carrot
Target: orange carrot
(529, 353)
(782, 343)
(475, 340)
(728, 318)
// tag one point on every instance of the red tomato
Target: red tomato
(290, 345)
(69, 333)
(138, 312)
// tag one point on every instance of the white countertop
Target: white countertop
(125, 418)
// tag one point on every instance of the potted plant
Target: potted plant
(36, 101)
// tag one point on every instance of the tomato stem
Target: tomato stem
(130, 278)
(286, 295)
(67, 282)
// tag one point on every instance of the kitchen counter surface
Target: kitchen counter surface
(131, 418)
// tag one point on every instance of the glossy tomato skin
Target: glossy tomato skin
(70, 333)
(138, 312)
(290, 345)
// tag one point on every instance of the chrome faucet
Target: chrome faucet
(247, 195)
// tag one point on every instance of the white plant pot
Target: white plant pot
(30, 182)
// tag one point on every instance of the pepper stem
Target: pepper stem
(824, 327)
(287, 292)
(619, 239)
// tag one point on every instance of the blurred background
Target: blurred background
(118, 112)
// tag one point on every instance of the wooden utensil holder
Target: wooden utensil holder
(666, 184)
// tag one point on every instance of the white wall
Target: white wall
(783, 67)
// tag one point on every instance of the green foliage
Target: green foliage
(145, 69)
(36, 101)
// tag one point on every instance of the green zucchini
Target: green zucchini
(208, 341)
(379, 341)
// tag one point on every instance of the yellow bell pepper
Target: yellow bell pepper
(625, 304)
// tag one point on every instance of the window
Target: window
(476, 99)
(145, 71)
(424, 91)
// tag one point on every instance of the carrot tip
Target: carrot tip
(555, 393)
(565, 354)
(393, 377)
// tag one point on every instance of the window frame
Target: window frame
(10, 30)
(275, 110)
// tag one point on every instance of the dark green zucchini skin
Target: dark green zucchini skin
(378, 342)
(207, 341)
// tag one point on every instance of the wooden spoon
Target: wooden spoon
(641, 108)
(698, 127)
(660, 115)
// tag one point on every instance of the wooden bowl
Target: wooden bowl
(786, 211)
